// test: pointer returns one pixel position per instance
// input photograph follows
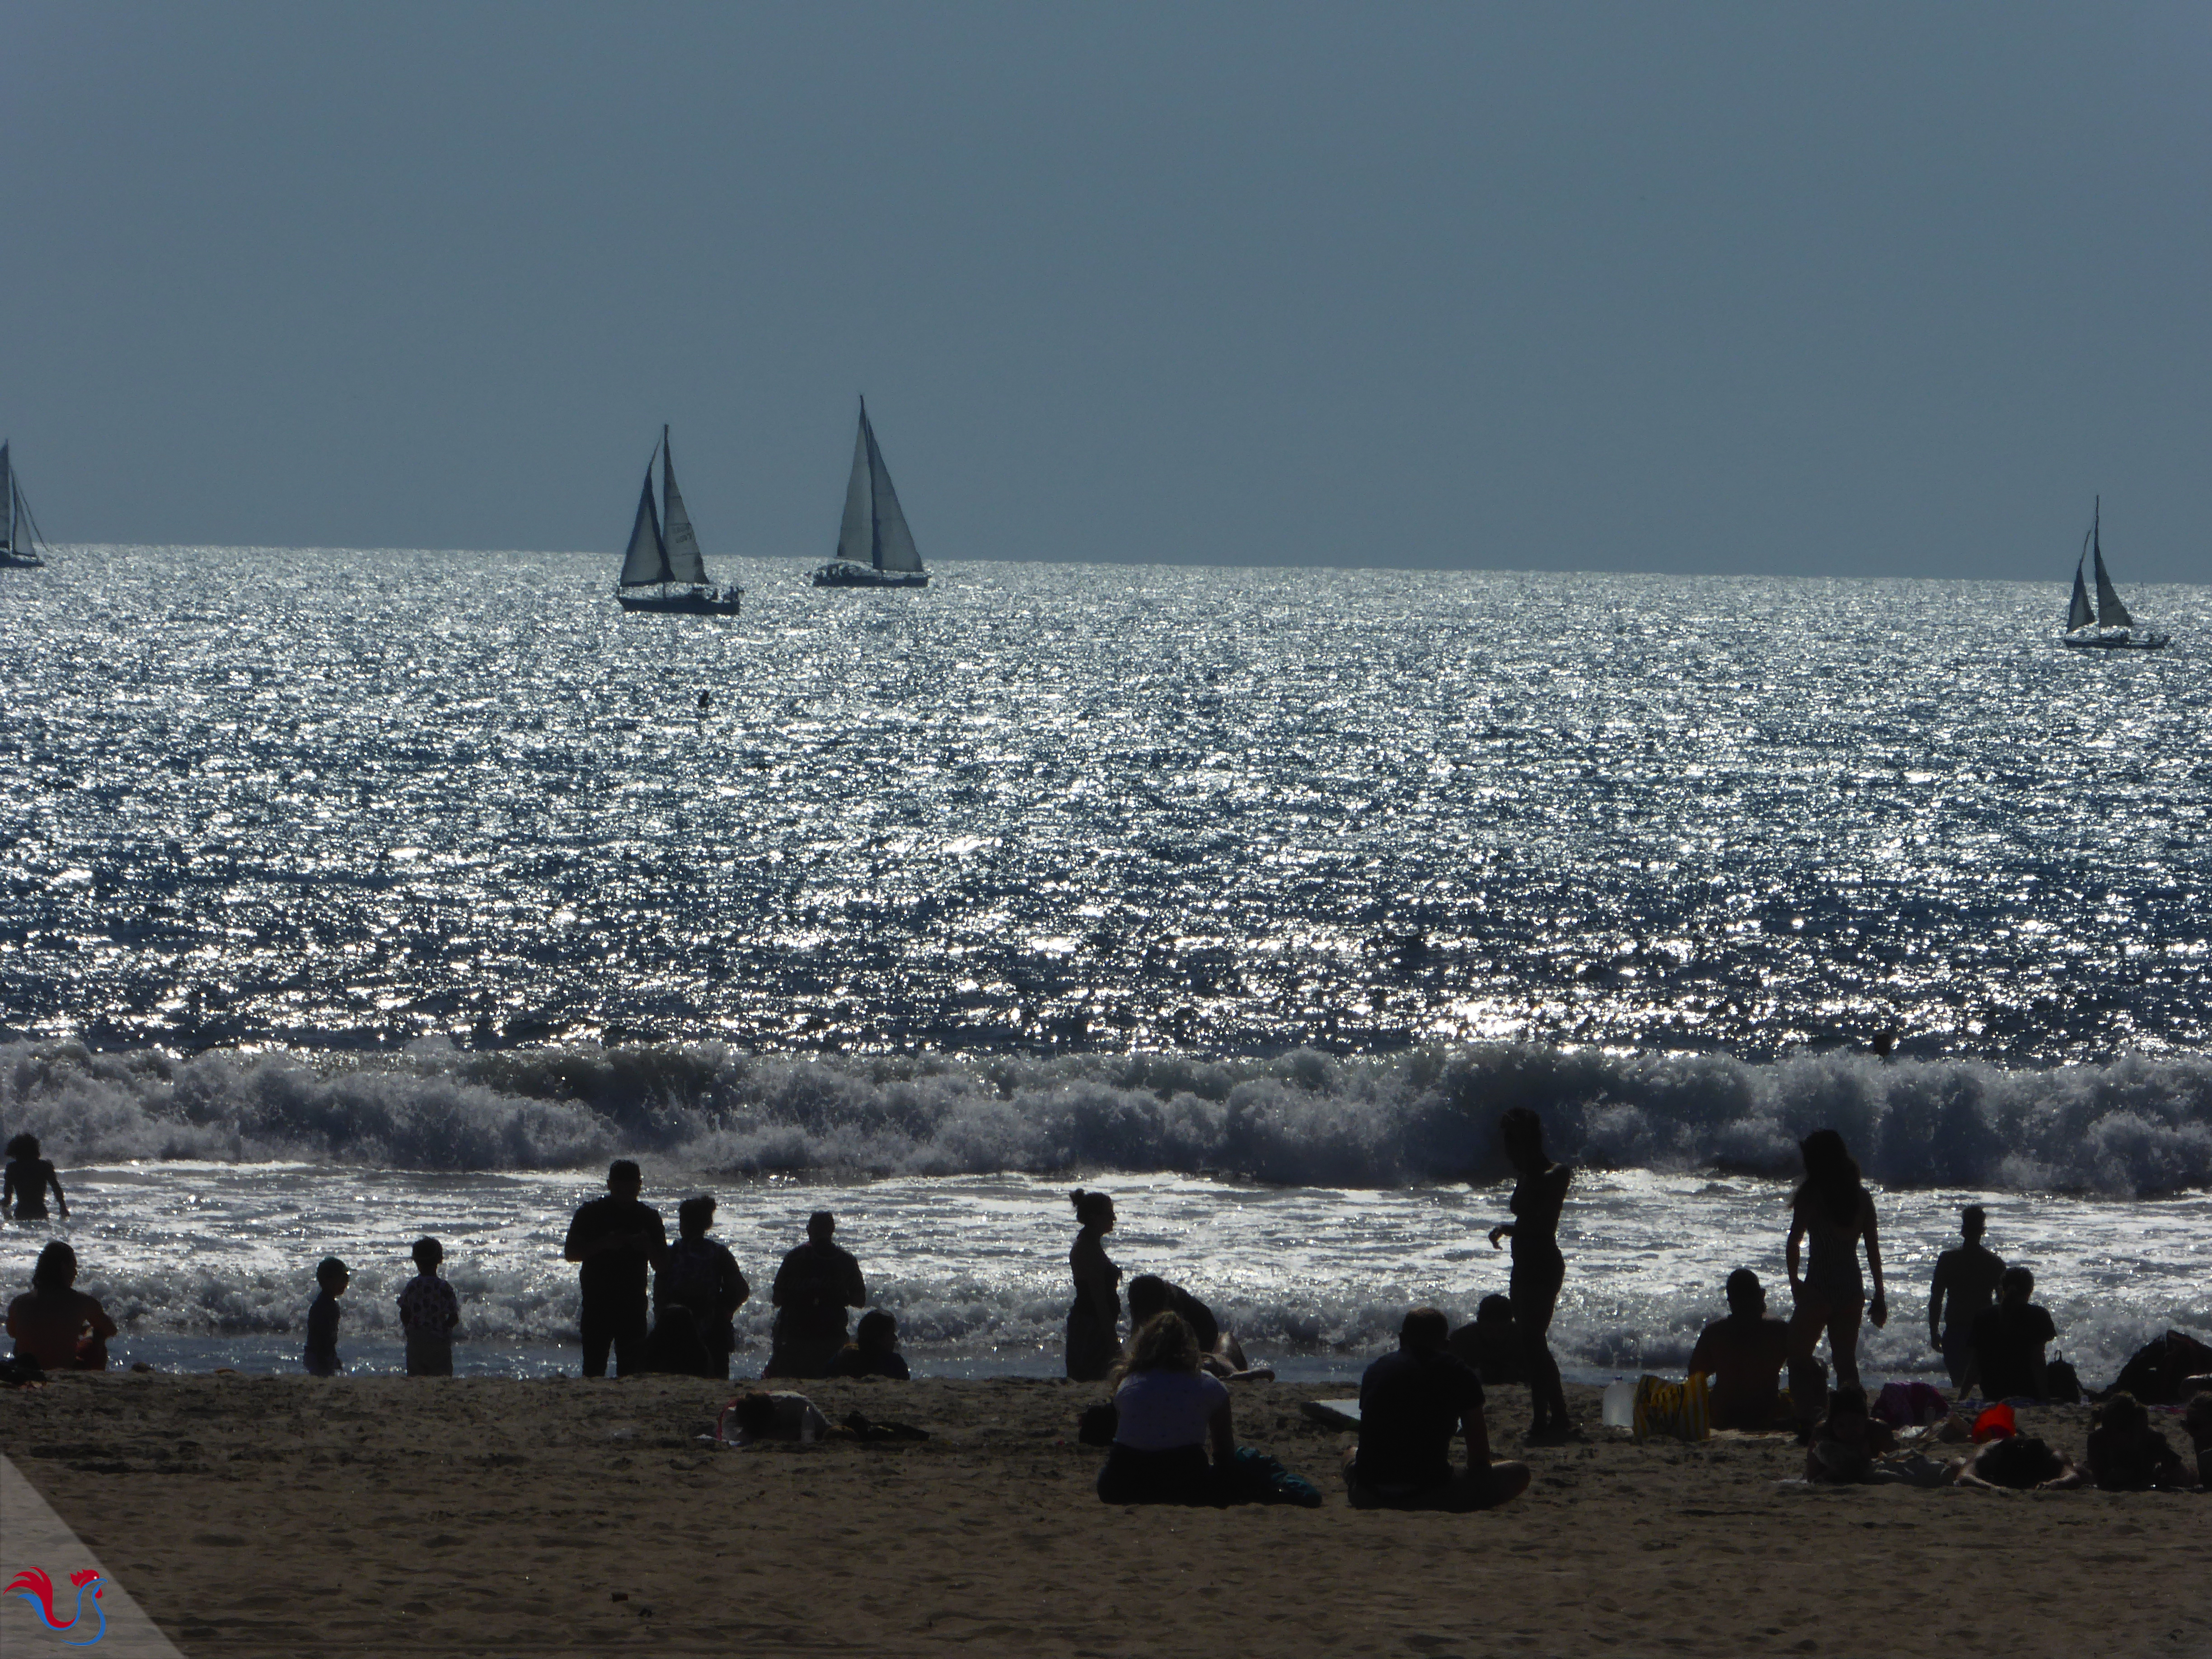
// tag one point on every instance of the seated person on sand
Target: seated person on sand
(1166, 1409)
(757, 1415)
(1847, 1441)
(1220, 1353)
(2127, 1454)
(57, 1324)
(1490, 1346)
(874, 1351)
(1411, 1404)
(2008, 1342)
(2197, 1421)
(2018, 1462)
(1744, 1354)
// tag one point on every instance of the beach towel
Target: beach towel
(1682, 1410)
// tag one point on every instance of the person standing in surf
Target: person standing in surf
(1539, 1269)
(1094, 1322)
(1832, 1212)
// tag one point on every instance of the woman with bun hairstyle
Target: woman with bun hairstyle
(1539, 1269)
(1094, 1340)
(1832, 1212)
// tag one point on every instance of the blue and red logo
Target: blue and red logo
(33, 1585)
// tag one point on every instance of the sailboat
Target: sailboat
(24, 543)
(664, 551)
(874, 547)
(2108, 627)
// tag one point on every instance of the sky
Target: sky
(1877, 289)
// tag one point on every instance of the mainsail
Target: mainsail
(648, 558)
(679, 544)
(2111, 613)
(874, 530)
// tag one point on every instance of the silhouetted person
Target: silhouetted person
(321, 1358)
(1490, 1343)
(1966, 1282)
(1094, 1319)
(874, 1351)
(701, 1275)
(1832, 1212)
(816, 1283)
(673, 1347)
(1166, 1410)
(2197, 1421)
(428, 1311)
(57, 1324)
(23, 1188)
(2019, 1463)
(2009, 1338)
(2127, 1454)
(1411, 1404)
(1220, 1353)
(1744, 1354)
(616, 1239)
(1539, 1269)
(1843, 1447)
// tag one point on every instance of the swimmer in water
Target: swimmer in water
(23, 1194)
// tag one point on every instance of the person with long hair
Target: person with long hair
(57, 1324)
(1166, 1408)
(1094, 1322)
(1830, 1214)
(1539, 1269)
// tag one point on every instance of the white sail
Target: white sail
(647, 559)
(2111, 613)
(679, 544)
(894, 549)
(856, 535)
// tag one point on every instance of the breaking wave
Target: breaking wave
(2137, 1125)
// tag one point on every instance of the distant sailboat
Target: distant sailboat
(875, 548)
(664, 550)
(2109, 626)
(24, 543)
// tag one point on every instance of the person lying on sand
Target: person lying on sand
(2127, 1454)
(2018, 1462)
(757, 1415)
(1744, 1354)
(57, 1324)
(1219, 1353)
(1411, 1404)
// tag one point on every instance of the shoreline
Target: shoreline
(266, 1516)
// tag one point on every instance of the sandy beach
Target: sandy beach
(287, 1514)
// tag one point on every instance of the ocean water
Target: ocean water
(349, 896)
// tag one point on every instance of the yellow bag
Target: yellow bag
(1682, 1411)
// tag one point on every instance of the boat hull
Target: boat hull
(2113, 641)
(841, 574)
(694, 602)
(14, 561)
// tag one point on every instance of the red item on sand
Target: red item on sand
(1996, 1424)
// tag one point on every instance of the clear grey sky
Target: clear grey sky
(1843, 289)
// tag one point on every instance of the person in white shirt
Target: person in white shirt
(1167, 1409)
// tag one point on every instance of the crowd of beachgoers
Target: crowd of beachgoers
(649, 1304)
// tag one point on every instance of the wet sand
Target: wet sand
(268, 1516)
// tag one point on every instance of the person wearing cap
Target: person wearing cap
(1744, 1354)
(1966, 1283)
(816, 1283)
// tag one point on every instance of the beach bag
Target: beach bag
(2062, 1382)
(1681, 1411)
(1097, 1426)
(1256, 1477)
